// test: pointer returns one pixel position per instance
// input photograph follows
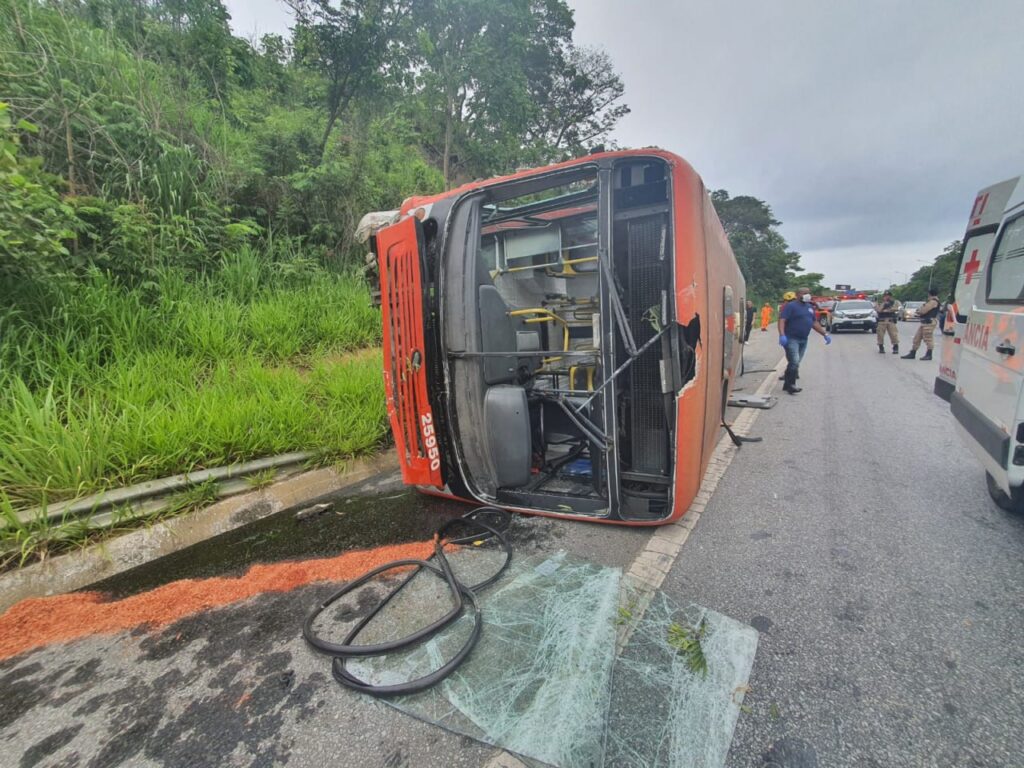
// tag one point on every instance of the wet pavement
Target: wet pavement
(373, 513)
(885, 584)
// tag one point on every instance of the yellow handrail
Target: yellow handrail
(546, 316)
(559, 263)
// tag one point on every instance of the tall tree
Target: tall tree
(768, 265)
(196, 36)
(579, 105)
(351, 44)
(479, 65)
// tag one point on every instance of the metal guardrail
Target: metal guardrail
(145, 494)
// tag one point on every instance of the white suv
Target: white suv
(855, 314)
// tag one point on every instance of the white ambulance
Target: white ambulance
(981, 232)
(986, 401)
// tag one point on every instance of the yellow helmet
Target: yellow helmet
(788, 296)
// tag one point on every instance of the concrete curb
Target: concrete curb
(107, 558)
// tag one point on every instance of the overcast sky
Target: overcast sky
(868, 126)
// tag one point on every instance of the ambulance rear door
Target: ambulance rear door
(987, 400)
(982, 224)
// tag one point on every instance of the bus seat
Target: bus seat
(500, 332)
(507, 424)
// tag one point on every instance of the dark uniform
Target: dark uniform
(887, 309)
(928, 314)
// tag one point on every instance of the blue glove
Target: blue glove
(783, 341)
(828, 339)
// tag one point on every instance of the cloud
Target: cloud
(868, 127)
(254, 18)
(871, 266)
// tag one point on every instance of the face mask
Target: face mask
(806, 298)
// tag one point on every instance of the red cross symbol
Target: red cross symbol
(971, 266)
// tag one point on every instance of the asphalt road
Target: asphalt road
(889, 590)
(858, 538)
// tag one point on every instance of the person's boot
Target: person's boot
(927, 355)
(910, 355)
(895, 349)
(881, 349)
(790, 385)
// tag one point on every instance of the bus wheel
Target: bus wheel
(1014, 502)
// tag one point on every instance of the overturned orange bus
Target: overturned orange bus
(562, 341)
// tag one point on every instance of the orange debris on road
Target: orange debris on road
(37, 622)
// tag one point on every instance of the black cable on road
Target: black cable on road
(462, 595)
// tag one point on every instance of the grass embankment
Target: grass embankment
(104, 387)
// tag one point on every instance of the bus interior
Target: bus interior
(563, 353)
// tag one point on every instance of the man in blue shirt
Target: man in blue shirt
(796, 321)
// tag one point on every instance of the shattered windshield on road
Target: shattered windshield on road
(545, 681)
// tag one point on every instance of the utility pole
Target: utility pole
(931, 269)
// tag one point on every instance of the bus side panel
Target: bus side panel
(691, 295)
(722, 272)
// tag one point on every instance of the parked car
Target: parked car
(854, 315)
(910, 308)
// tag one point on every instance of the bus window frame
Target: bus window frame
(991, 262)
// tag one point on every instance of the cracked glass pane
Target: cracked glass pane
(537, 682)
(663, 712)
(544, 681)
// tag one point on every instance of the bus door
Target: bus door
(981, 233)
(990, 375)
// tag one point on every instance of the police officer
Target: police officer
(928, 314)
(887, 309)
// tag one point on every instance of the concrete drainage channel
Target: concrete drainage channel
(105, 559)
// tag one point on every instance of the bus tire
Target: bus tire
(1012, 502)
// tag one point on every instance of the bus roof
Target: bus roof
(670, 157)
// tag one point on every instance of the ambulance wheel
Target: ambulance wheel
(1013, 502)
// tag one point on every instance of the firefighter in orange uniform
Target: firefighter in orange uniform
(766, 316)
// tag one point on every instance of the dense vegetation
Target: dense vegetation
(179, 285)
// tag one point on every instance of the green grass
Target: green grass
(101, 386)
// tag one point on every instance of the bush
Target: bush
(35, 223)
